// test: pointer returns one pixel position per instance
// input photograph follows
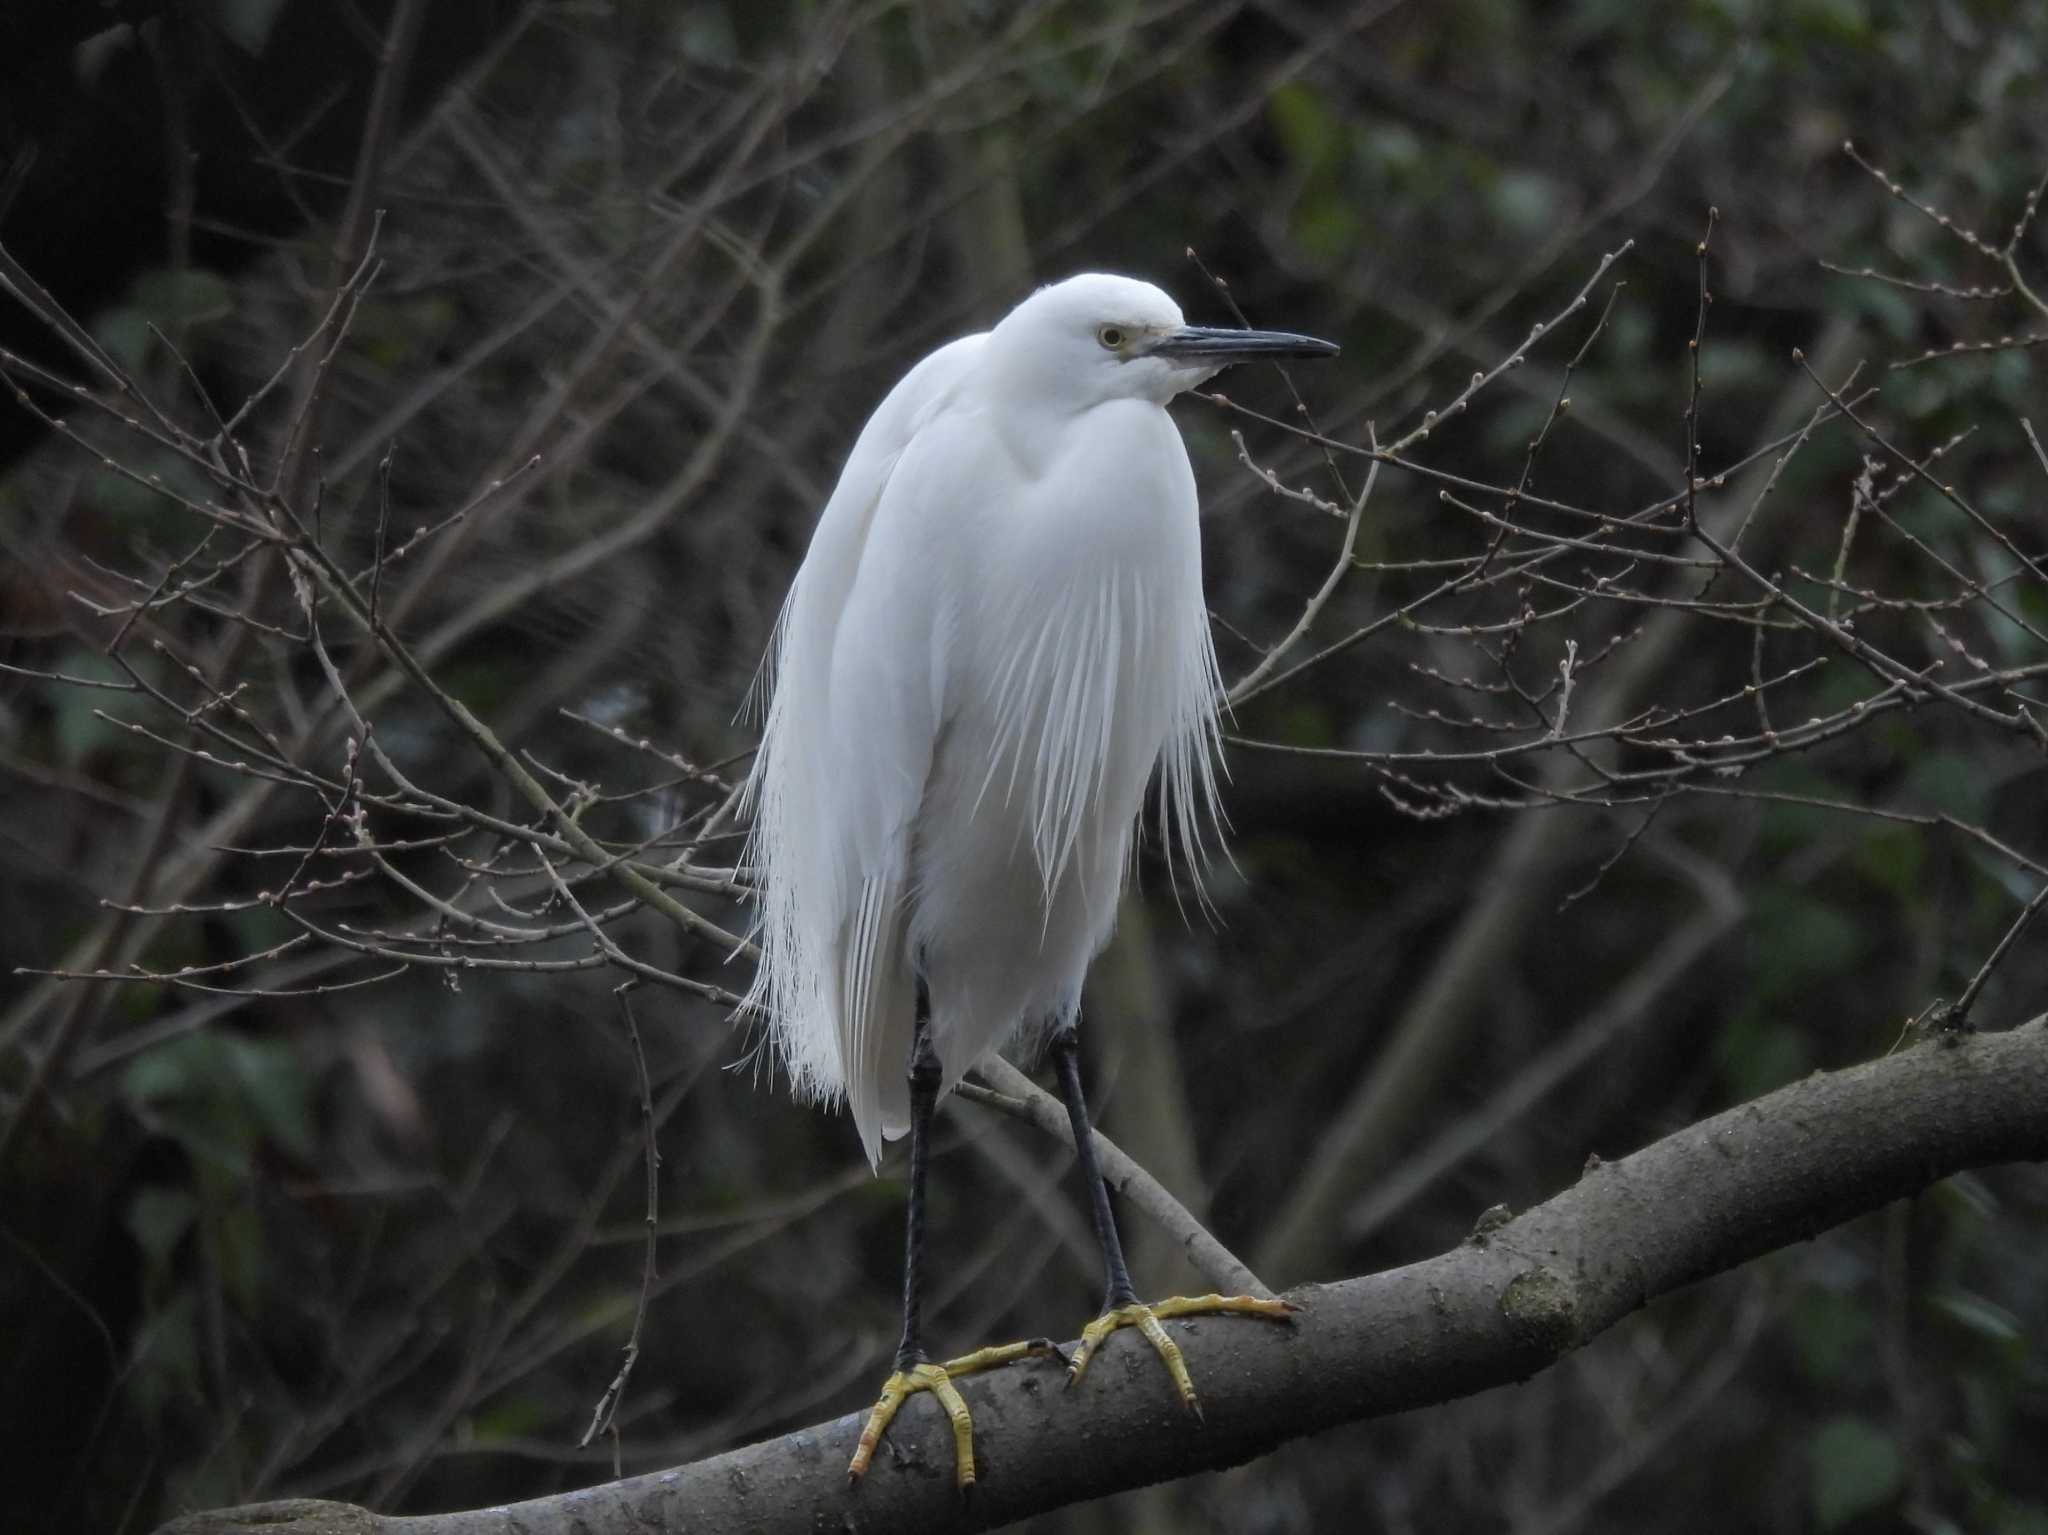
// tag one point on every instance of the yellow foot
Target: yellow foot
(1146, 1320)
(938, 1380)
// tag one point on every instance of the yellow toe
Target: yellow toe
(1147, 1318)
(938, 1380)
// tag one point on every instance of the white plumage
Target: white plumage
(996, 637)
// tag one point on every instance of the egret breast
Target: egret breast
(1066, 675)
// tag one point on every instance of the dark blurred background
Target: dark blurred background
(382, 1243)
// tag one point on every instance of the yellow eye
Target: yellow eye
(1111, 336)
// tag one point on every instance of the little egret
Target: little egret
(996, 639)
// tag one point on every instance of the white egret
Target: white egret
(996, 639)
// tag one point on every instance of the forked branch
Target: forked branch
(1511, 1299)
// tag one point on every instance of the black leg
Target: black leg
(914, 1370)
(924, 1094)
(1066, 1054)
(1122, 1307)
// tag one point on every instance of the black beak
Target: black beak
(1212, 344)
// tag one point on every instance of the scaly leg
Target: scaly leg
(914, 1370)
(1121, 1306)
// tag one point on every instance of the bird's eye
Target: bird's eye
(1111, 336)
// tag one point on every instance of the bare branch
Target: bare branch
(1515, 1297)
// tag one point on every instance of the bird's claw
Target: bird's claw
(938, 1380)
(1147, 1319)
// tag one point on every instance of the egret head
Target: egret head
(1100, 337)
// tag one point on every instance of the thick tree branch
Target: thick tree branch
(1510, 1300)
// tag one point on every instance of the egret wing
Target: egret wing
(844, 757)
